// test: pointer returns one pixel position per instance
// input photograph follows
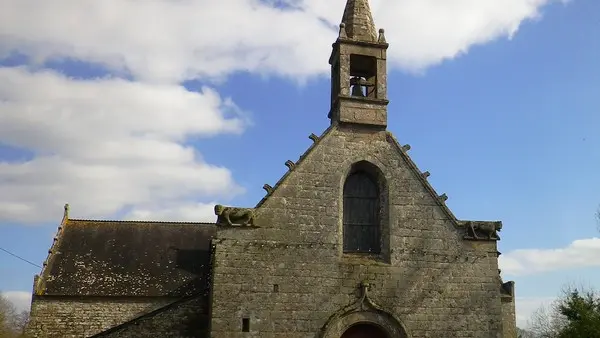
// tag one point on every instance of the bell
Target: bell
(357, 90)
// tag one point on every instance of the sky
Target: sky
(159, 109)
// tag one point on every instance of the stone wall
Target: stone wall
(509, 318)
(83, 317)
(184, 318)
(288, 277)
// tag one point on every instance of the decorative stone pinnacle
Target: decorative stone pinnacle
(342, 34)
(381, 38)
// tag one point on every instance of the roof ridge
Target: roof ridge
(135, 221)
(40, 282)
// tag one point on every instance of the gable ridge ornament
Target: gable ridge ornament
(482, 231)
(268, 189)
(291, 165)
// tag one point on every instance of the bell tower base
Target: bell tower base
(360, 110)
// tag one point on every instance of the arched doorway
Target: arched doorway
(364, 331)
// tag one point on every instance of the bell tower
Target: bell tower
(358, 70)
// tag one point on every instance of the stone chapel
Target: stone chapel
(352, 242)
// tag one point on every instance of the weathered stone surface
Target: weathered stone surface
(53, 317)
(437, 284)
(184, 318)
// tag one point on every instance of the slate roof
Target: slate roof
(127, 258)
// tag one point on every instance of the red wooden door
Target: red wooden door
(364, 331)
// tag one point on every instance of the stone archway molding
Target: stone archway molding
(363, 311)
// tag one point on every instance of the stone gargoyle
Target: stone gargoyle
(483, 230)
(234, 216)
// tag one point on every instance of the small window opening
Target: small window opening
(275, 287)
(245, 324)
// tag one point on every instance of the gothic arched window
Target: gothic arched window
(361, 214)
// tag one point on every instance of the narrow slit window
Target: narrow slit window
(245, 324)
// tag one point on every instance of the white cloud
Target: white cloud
(106, 144)
(110, 145)
(166, 40)
(20, 299)
(527, 306)
(191, 212)
(422, 33)
(581, 253)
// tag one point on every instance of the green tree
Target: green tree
(575, 314)
(582, 314)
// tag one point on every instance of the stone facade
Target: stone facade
(352, 242)
(290, 275)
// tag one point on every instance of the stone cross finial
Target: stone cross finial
(66, 213)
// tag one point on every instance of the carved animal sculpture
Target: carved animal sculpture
(490, 230)
(233, 215)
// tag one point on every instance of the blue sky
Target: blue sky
(508, 129)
